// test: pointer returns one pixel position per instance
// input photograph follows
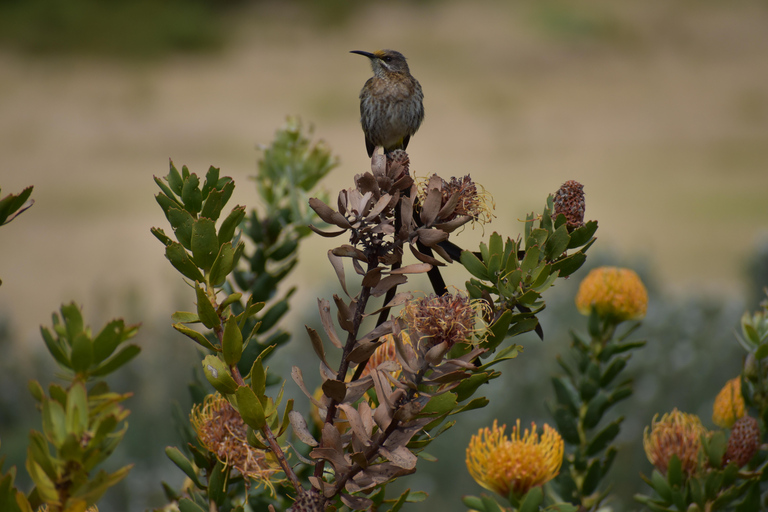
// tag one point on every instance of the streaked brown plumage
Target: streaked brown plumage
(391, 108)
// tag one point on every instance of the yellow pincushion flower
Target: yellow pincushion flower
(676, 433)
(729, 404)
(614, 292)
(515, 463)
(222, 432)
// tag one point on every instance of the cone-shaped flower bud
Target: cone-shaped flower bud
(676, 433)
(617, 293)
(517, 462)
(729, 404)
(569, 200)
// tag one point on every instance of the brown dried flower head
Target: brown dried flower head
(222, 432)
(459, 198)
(743, 442)
(569, 200)
(436, 319)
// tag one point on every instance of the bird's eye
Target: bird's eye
(387, 59)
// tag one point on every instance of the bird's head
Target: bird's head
(385, 61)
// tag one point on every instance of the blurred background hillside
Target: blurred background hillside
(659, 107)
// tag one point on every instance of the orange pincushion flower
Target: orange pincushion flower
(677, 433)
(729, 404)
(515, 463)
(613, 292)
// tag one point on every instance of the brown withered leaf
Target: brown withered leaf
(379, 331)
(379, 207)
(328, 214)
(332, 455)
(338, 267)
(415, 268)
(449, 206)
(401, 457)
(453, 224)
(366, 183)
(332, 437)
(317, 344)
(327, 234)
(388, 282)
(343, 314)
(442, 253)
(349, 251)
(358, 458)
(438, 377)
(432, 201)
(406, 214)
(431, 237)
(435, 354)
(357, 388)
(363, 351)
(335, 389)
(356, 423)
(298, 378)
(425, 258)
(356, 502)
(372, 277)
(300, 428)
(327, 321)
(376, 474)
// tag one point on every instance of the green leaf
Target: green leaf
(675, 471)
(185, 317)
(212, 206)
(532, 500)
(211, 180)
(715, 447)
(273, 315)
(82, 353)
(595, 410)
(187, 505)
(566, 394)
(592, 478)
(229, 225)
(250, 408)
(531, 259)
(107, 341)
(604, 437)
(174, 180)
(232, 342)
(191, 194)
(182, 222)
(566, 425)
(223, 265)
(73, 320)
(184, 464)
(77, 409)
(217, 373)
(473, 503)
(474, 266)
(115, 362)
(557, 243)
(661, 486)
(217, 483)
(205, 243)
(181, 261)
(613, 370)
(55, 348)
(196, 336)
(205, 309)
(570, 264)
(582, 235)
(258, 376)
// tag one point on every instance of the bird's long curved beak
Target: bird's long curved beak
(360, 52)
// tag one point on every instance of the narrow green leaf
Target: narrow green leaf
(73, 320)
(223, 265)
(217, 373)
(232, 342)
(566, 425)
(174, 180)
(184, 464)
(115, 362)
(582, 235)
(532, 500)
(230, 223)
(181, 261)
(250, 408)
(199, 338)
(55, 348)
(217, 483)
(531, 259)
(205, 309)
(474, 266)
(160, 235)
(182, 222)
(557, 243)
(107, 341)
(604, 437)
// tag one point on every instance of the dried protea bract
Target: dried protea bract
(569, 201)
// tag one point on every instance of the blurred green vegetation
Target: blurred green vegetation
(113, 28)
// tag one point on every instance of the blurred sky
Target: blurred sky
(659, 108)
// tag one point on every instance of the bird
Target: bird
(391, 102)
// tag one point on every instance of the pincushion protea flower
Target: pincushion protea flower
(516, 463)
(729, 404)
(222, 432)
(436, 319)
(676, 433)
(614, 292)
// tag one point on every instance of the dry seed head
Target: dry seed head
(743, 442)
(436, 319)
(569, 200)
